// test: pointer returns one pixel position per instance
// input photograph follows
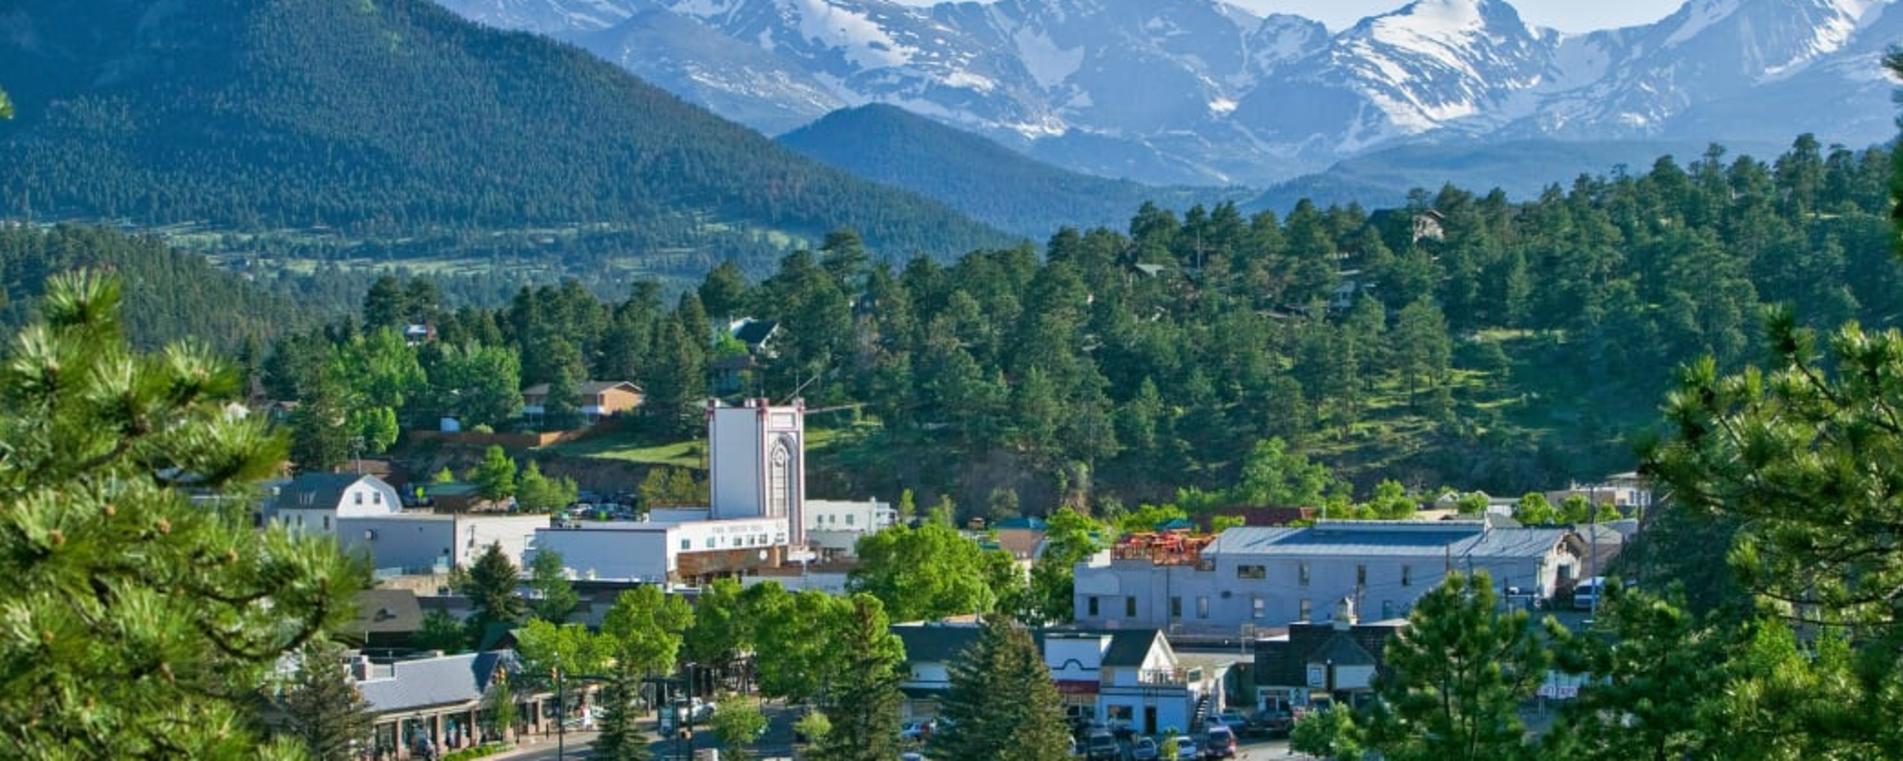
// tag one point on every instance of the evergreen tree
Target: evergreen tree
(320, 434)
(154, 658)
(555, 597)
(1455, 678)
(321, 708)
(495, 475)
(1002, 703)
(678, 381)
(441, 631)
(490, 584)
(862, 705)
(561, 410)
(535, 492)
(621, 738)
(723, 293)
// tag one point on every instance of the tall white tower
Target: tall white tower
(757, 465)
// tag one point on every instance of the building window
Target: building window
(1257, 606)
(1091, 605)
(711, 541)
(1130, 607)
(1302, 570)
(849, 520)
(1176, 607)
(359, 496)
(1387, 609)
(779, 482)
(687, 544)
(1303, 611)
(1251, 572)
(1202, 607)
(1361, 575)
(376, 498)
(1407, 575)
(326, 523)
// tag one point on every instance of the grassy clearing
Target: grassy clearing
(636, 447)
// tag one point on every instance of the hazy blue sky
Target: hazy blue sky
(1565, 15)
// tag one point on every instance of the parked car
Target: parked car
(920, 731)
(1122, 728)
(1233, 719)
(1587, 592)
(1145, 749)
(1187, 749)
(1271, 722)
(1102, 746)
(1221, 743)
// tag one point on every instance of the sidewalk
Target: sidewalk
(539, 745)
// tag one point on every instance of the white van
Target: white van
(1586, 593)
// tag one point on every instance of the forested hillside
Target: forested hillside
(395, 121)
(977, 176)
(170, 295)
(1523, 345)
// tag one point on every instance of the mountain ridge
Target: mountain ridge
(399, 119)
(1199, 92)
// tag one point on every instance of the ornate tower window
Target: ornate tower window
(779, 485)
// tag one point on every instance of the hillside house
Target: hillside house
(594, 399)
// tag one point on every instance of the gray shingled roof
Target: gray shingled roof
(936, 643)
(387, 611)
(1342, 650)
(1128, 649)
(448, 680)
(752, 332)
(325, 490)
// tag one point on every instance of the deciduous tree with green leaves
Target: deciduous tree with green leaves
(923, 573)
(140, 623)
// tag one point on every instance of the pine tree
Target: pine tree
(621, 739)
(1002, 703)
(863, 703)
(320, 434)
(559, 410)
(322, 709)
(555, 596)
(1455, 678)
(141, 622)
(495, 475)
(490, 584)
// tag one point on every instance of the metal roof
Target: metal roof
(1390, 538)
(445, 680)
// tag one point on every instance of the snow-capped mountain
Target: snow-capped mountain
(1201, 91)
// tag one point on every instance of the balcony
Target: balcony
(1175, 677)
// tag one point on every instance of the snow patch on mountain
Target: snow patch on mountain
(1049, 63)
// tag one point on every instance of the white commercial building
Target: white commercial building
(758, 517)
(419, 542)
(1255, 578)
(834, 527)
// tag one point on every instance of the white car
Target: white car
(1187, 749)
(1587, 592)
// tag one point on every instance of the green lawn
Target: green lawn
(632, 446)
